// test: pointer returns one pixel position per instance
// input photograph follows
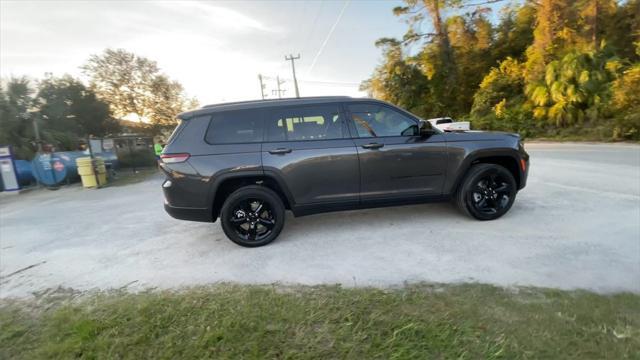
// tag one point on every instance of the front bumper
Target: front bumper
(524, 175)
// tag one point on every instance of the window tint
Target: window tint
(376, 120)
(242, 126)
(305, 123)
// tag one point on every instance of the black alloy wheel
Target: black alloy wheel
(491, 194)
(252, 216)
(487, 192)
(253, 219)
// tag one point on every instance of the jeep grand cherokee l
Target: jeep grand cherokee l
(249, 162)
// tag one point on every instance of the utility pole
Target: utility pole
(262, 86)
(293, 68)
(279, 91)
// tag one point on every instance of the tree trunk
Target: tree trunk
(442, 37)
(594, 26)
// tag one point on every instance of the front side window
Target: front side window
(229, 127)
(374, 120)
(305, 123)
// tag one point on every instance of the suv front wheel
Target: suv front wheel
(487, 192)
(252, 216)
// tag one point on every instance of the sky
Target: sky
(215, 49)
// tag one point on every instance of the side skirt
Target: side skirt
(304, 210)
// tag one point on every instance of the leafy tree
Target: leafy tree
(502, 85)
(16, 105)
(550, 36)
(397, 79)
(621, 29)
(561, 65)
(471, 39)
(68, 106)
(436, 60)
(513, 32)
(626, 102)
(573, 91)
(134, 85)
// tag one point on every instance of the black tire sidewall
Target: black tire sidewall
(474, 175)
(259, 192)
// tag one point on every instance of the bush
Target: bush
(515, 120)
(627, 127)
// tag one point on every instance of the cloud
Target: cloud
(217, 16)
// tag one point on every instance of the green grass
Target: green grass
(233, 321)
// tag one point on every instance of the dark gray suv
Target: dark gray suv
(248, 162)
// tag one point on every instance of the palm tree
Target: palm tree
(573, 89)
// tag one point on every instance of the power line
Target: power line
(326, 40)
(331, 82)
(323, 82)
(313, 26)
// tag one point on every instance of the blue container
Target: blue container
(55, 168)
(24, 172)
(59, 167)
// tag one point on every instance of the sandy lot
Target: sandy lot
(576, 225)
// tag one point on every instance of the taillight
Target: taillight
(174, 158)
(523, 165)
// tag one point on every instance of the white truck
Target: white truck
(448, 124)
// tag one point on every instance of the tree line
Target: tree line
(64, 111)
(546, 68)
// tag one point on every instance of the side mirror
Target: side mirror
(425, 128)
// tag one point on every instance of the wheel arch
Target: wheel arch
(228, 183)
(507, 158)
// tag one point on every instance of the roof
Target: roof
(253, 104)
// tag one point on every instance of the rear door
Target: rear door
(308, 148)
(395, 162)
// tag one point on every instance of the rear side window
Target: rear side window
(322, 122)
(176, 131)
(229, 127)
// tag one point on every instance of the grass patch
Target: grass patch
(233, 321)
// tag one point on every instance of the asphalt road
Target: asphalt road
(576, 225)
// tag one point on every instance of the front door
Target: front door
(395, 162)
(309, 149)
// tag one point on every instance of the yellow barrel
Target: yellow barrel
(85, 170)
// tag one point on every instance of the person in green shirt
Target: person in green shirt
(158, 147)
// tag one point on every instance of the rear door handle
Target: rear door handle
(373, 146)
(279, 151)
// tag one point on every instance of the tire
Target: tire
(248, 225)
(487, 192)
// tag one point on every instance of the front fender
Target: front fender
(463, 157)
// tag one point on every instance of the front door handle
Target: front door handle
(279, 151)
(373, 146)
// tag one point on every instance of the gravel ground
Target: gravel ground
(576, 225)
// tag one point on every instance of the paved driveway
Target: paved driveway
(576, 225)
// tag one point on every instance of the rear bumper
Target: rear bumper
(191, 214)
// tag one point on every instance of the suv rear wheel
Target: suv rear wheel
(252, 216)
(487, 192)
